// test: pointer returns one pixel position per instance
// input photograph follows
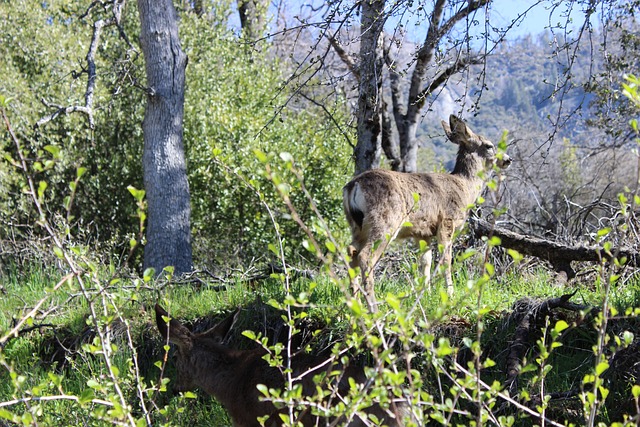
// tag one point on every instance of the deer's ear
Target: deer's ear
(219, 331)
(459, 129)
(447, 131)
(174, 331)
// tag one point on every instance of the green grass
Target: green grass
(29, 363)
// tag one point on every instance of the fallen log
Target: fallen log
(528, 330)
(557, 254)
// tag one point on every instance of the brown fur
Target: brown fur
(231, 376)
(380, 205)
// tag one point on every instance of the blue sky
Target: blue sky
(540, 15)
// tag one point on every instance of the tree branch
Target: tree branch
(425, 54)
(87, 108)
(441, 78)
(559, 255)
(344, 56)
(461, 14)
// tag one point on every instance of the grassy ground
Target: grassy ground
(57, 353)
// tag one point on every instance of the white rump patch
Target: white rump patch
(357, 200)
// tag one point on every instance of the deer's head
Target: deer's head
(473, 146)
(197, 354)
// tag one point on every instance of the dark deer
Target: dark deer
(382, 205)
(204, 361)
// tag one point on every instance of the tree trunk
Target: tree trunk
(165, 174)
(367, 150)
(253, 15)
(407, 108)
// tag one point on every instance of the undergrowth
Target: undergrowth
(514, 345)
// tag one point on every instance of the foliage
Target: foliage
(231, 109)
(223, 129)
(76, 342)
(44, 47)
(441, 356)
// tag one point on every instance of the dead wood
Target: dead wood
(527, 330)
(558, 254)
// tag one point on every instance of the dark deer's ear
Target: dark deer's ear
(460, 132)
(174, 330)
(447, 131)
(220, 331)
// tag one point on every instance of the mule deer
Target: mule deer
(382, 205)
(203, 360)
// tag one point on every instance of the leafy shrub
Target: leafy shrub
(231, 110)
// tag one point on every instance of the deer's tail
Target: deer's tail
(354, 203)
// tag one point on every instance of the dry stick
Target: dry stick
(51, 398)
(519, 346)
(76, 271)
(14, 332)
(558, 254)
(509, 399)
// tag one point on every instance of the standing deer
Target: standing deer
(382, 205)
(203, 360)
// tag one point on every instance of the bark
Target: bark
(526, 332)
(253, 17)
(164, 163)
(367, 150)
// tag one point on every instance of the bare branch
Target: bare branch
(345, 57)
(425, 54)
(460, 15)
(98, 26)
(441, 78)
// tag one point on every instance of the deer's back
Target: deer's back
(382, 198)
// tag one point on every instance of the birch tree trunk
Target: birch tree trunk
(165, 174)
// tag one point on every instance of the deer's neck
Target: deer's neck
(469, 166)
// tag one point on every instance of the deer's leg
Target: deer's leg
(425, 263)
(445, 238)
(365, 262)
(357, 261)
(448, 248)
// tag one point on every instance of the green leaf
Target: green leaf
(263, 389)
(495, 241)
(273, 249)
(42, 186)
(601, 367)
(53, 150)
(330, 246)
(86, 396)
(137, 194)
(262, 157)
(287, 157)
(8, 415)
(393, 301)
(517, 256)
(561, 325)
(148, 274)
